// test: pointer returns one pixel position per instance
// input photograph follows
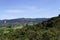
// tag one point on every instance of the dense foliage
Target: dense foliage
(47, 30)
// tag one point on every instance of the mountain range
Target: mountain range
(23, 21)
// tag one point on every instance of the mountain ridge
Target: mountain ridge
(23, 20)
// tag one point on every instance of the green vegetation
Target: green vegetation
(47, 30)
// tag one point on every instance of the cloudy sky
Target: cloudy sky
(10, 9)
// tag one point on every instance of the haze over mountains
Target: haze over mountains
(22, 20)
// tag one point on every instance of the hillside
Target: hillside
(53, 22)
(47, 30)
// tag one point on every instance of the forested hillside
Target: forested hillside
(47, 30)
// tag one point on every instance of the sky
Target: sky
(10, 9)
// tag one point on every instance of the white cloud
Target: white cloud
(27, 9)
(34, 9)
(14, 11)
(30, 7)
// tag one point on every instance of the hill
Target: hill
(46, 30)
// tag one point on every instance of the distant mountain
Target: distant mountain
(23, 20)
